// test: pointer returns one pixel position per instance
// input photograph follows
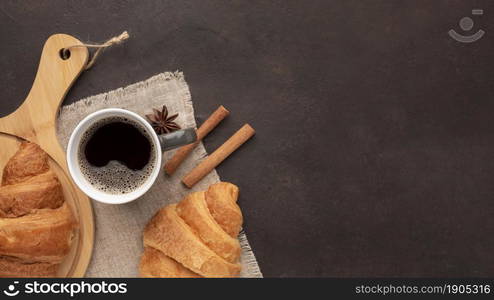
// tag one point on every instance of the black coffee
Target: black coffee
(116, 155)
(118, 141)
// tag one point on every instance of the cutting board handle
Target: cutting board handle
(35, 119)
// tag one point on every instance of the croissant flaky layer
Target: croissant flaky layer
(36, 225)
(42, 236)
(186, 240)
(14, 267)
(27, 162)
(157, 265)
(194, 211)
(222, 203)
(40, 191)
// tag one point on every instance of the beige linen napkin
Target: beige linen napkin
(118, 239)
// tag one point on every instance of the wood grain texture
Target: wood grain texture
(35, 121)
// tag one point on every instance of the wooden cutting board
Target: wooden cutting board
(35, 121)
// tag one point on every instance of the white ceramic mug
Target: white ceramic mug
(160, 142)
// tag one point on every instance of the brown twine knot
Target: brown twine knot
(113, 41)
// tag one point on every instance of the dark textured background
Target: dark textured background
(375, 136)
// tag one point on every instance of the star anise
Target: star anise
(161, 122)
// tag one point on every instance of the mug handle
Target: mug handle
(177, 138)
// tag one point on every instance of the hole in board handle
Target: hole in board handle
(64, 53)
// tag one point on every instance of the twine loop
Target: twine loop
(100, 47)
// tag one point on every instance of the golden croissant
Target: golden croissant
(36, 225)
(196, 237)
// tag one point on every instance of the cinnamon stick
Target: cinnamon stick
(214, 119)
(219, 155)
